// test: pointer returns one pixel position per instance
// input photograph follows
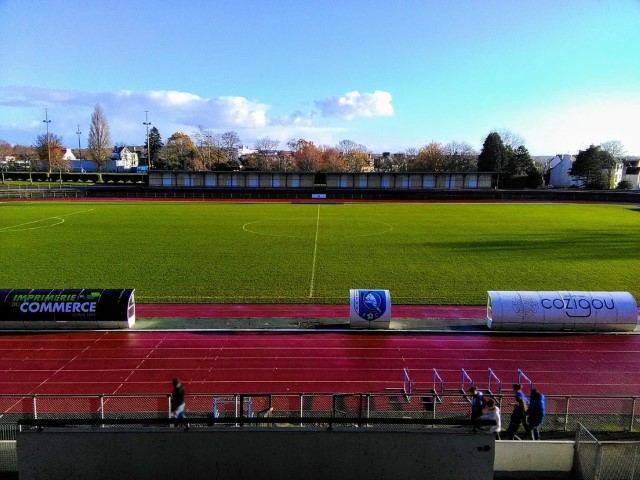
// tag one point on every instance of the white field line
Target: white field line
(12, 228)
(315, 254)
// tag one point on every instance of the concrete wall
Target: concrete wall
(530, 456)
(254, 454)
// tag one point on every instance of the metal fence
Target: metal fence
(30, 193)
(600, 459)
(564, 412)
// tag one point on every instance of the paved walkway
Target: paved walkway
(301, 316)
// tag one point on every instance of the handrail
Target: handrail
(407, 383)
(436, 376)
(522, 375)
(465, 376)
(493, 375)
(274, 394)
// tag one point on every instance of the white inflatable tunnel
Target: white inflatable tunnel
(562, 311)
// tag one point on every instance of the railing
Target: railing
(597, 459)
(563, 412)
(522, 377)
(51, 192)
(466, 379)
(496, 381)
(438, 383)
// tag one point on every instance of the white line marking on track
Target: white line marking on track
(315, 254)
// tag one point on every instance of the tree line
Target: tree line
(503, 153)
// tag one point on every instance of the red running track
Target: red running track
(144, 362)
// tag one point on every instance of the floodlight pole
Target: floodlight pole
(79, 147)
(47, 122)
(147, 123)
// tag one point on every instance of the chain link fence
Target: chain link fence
(601, 459)
(564, 413)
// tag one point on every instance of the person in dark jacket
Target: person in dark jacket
(477, 402)
(519, 414)
(178, 407)
(535, 414)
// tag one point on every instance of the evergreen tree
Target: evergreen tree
(155, 147)
(494, 155)
(592, 167)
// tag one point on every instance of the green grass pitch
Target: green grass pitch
(424, 253)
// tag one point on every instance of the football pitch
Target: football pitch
(229, 252)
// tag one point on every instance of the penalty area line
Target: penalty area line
(315, 255)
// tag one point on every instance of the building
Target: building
(632, 172)
(559, 172)
(123, 159)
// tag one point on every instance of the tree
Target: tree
(209, 153)
(431, 158)
(615, 148)
(355, 155)
(267, 151)
(624, 185)
(592, 167)
(5, 151)
(180, 152)
(460, 157)
(230, 142)
(403, 162)
(493, 157)
(25, 155)
(511, 139)
(99, 141)
(50, 150)
(519, 161)
(155, 146)
(305, 155)
(332, 160)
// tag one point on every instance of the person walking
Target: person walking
(493, 413)
(535, 414)
(519, 414)
(178, 406)
(477, 402)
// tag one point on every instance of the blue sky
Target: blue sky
(389, 75)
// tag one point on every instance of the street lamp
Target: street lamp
(47, 122)
(79, 148)
(147, 123)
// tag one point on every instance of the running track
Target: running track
(144, 362)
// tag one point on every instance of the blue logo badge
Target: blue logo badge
(372, 304)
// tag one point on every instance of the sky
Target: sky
(389, 75)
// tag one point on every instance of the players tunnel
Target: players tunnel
(562, 311)
(63, 309)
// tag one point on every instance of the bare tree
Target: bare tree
(99, 141)
(267, 151)
(229, 142)
(510, 139)
(460, 157)
(615, 148)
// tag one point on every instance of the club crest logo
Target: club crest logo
(372, 304)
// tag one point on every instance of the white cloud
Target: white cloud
(170, 111)
(355, 105)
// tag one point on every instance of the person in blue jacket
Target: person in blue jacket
(535, 414)
(477, 402)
